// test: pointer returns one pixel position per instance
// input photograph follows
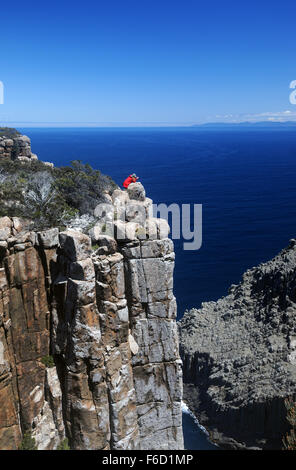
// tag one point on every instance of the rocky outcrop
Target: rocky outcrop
(106, 313)
(25, 338)
(239, 356)
(18, 147)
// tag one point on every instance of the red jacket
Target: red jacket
(128, 181)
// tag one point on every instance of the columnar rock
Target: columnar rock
(17, 148)
(24, 338)
(105, 315)
(156, 365)
(239, 356)
(136, 363)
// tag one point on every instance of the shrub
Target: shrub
(82, 187)
(48, 361)
(64, 445)
(50, 196)
(28, 442)
(289, 440)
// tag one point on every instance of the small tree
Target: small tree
(289, 440)
(48, 361)
(42, 202)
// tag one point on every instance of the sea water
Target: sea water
(244, 178)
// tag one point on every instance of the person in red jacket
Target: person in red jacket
(130, 179)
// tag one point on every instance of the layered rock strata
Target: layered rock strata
(239, 356)
(106, 313)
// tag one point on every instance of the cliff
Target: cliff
(103, 308)
(239, 356)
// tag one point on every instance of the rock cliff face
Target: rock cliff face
(239, 356)
(106, 313)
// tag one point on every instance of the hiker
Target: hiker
(130, 179)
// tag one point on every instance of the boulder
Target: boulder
(135, 211)
(119, 197)
(49, 238)
(104, 211)
(101, 229)
(23, 139)
(151, 229)
(95, 232)
(108, 243)
(82, 270)
(163, 228)
(17, 224)
(76, 245)
(126, 232)
(8, 142)
(136, 191)
(5, 227)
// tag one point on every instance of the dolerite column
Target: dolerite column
(76, 338)
(157, 370)
(114, 320)
(30, 399)
(91, 337)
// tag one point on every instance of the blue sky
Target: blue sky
(146, 62)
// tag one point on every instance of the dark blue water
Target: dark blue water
(195, 436)
(245, 179)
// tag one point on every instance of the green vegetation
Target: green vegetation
(95, 247)
(48, 361)
(81, 186)
(63, 445)
(28, 442)
(50, 196)
(289, 440)
(8, 132)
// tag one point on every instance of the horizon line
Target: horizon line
(110, 124)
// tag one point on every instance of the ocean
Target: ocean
(245, 180)
(196, 436)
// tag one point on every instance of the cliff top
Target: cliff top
(49, 196)
(9, 132)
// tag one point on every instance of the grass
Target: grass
(48, 361)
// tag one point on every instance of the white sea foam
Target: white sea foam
(186, 410)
